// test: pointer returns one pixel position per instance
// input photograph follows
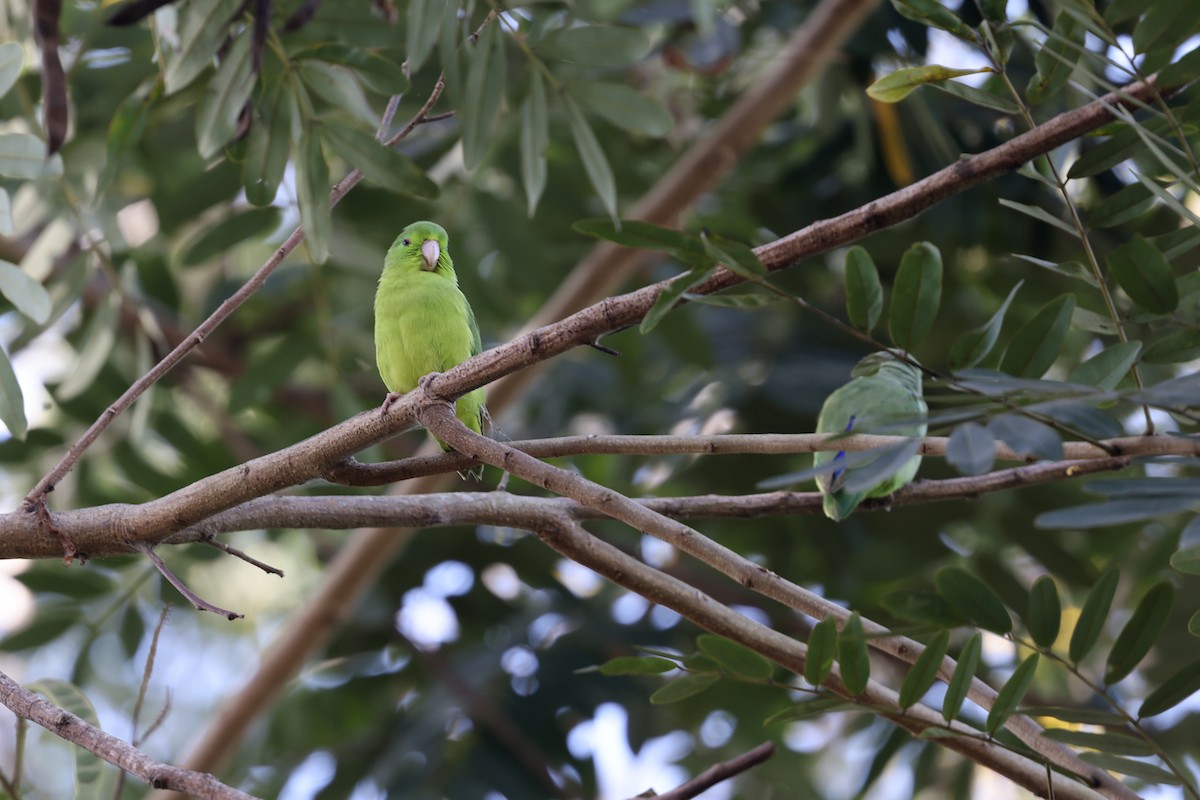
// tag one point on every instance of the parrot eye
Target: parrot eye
(407, 242)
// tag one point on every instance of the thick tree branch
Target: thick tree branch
(573, 542)
(27, 705)
(362, 560)
(438, 416)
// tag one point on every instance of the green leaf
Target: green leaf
(807, 710)
(636, 665)
(1145, 275)
(1106, 741)
(379, 164)
(594, 161)
(735, 256)
(916, 295)
(1027, 436)
(921, 606)
(642, 235)
(6, 220)
(1126, 766)
(1193, 626)
(1082, 716)
(671, 295)
(93, 778)
(1166, 24)
(312, 191)
(1011, 694)
(1036, 346)
(595, 45)
(1121, 145)
(1118, 512)
(973, 599)
(1183, 71)
(201, 31)
(623, 107)
(822, 648)
(1173, 691)
(864, 293)
(12, 400)
(971, 450)
(925, 671)
(1106, 369)
(24, 156)
(422, 33)
(339, 87)
(1092, 616)
(979, 97)
(377, 73)
(853, 658)
(932, 12)
(1056, 59)
(1138, 635)
(230, 232)
(27, 295)
(79, 584)
(485, 90)
(1040, 214)
(895, 86)
(1187, 560)
(448, 56)
(1174, 348)
(964, 674)
(974, 345)
(50, 620)
(535, 136)
(224, 97)
(734, 657)
(683, 687)
(124, 131)
(98, 337)
(1072, 269)
(269, 145)
(1127, 204)
(1045, 612)
(12, 59)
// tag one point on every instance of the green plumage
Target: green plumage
(883, 391)
(423, 322)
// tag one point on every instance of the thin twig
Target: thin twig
(196, 600)
(212, 541)
(720, 772)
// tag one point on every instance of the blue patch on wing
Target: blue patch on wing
(841, 455)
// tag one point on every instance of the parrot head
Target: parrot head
(423, 245)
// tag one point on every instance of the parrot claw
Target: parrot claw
(423, 381)
(391, 398)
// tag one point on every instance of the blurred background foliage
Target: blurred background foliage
(458, 675)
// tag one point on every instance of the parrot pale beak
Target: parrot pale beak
(430, 251)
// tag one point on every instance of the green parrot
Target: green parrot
(884, 390)
(423, 322)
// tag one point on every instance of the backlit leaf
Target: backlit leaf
(683, 687)
(924, 672)
(853, 658)
(27, 295)
(964, 674)
(822, 648)
(895, 86)
(734, 657)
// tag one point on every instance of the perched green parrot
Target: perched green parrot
(884, 390)
(423, 322)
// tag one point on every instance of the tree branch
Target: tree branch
(438, 417)
(27, 705)
(719, 772)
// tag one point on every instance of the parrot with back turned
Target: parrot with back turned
(423, 322)
(883, 390)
